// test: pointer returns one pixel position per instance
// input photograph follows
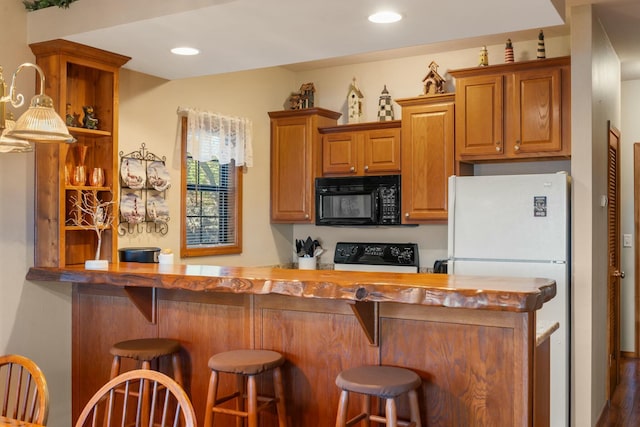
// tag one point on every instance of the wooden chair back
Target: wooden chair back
(24, 394)
(141, 397)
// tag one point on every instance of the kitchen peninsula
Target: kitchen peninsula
(471, 339)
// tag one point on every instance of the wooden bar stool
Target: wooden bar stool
(245, 365)
(385, 382)
(146, 350)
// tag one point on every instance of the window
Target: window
(211, 205)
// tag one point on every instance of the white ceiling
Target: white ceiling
(235, 35)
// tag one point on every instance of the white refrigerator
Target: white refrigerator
(518, 226)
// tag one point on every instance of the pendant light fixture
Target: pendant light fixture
(40, 123)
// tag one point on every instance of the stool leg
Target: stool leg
(390, 413)
(415, 408)
(177, 368)
(211, 399)
(343, 404)
(252, 401)
(240, 406)
(366, 408)
(115, 367)
(279, 392)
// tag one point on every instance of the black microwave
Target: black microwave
(361, 200)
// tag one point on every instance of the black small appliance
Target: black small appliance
(361, 200)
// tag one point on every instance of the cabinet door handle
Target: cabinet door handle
(306, 216)
(352, 169)
(498, 146)
(406, 215)
(517, 146)
(366, 168)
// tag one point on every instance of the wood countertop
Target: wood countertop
(440, 290)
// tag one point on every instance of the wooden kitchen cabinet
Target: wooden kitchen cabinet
(427, 157)
(361, 149)
(76, 76)
(513, 111)
(296, 161)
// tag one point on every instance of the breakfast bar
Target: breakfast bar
(472, 340)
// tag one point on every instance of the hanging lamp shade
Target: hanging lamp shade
(41, 123)
(12, 145)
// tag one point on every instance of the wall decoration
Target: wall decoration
(144, 179)
(484, 57)
(385, 107)
(433, 82)
(508, 51)
(355, 100)
(541, 51)
(304, 98)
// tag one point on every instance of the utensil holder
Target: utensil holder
(306, 263)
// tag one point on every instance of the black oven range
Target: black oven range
(383, 257)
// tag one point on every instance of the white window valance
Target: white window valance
(213, 136)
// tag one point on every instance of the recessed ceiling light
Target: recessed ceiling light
(385, 17)
(185, 51)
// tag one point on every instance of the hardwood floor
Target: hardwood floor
(624, 410)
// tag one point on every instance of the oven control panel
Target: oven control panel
(376, 253)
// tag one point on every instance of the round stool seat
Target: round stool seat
(246, 362)
(382, 381)
(145, 348)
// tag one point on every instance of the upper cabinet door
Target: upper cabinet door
(339, 153)
(518, 110)
(427, 157)
(479, 116)
(359, 149)
(537, 99)
(382, 151)
(296, 162)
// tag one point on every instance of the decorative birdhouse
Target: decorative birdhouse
(307, 92)
(303, 98)
(385, 109)
(433, 82)
(354, 103)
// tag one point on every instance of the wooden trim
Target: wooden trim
(512, 66)
(352, 127)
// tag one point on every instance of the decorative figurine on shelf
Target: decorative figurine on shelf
(354, 103)
(541, 50)
(484, 57)
(303, 98)
(508, 52)
(385, 108)
(89, 121)
(71, 119)
(433, 82)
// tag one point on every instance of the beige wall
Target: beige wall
(35, 319)
(595, 99)
(629, 136)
